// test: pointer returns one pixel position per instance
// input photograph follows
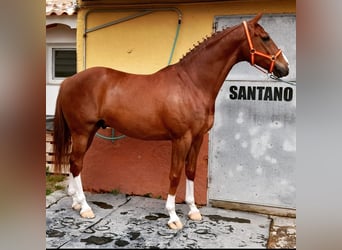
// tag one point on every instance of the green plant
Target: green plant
(53, 182)
(149, 195)
(115, 191)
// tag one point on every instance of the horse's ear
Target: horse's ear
(256, 18)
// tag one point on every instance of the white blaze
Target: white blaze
(285, 58)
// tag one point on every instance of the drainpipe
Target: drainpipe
(141, 12)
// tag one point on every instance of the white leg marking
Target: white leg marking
(194, 213)
(80, 195)
(72, 192)
(174, 221)
(71, 187)
(171, 208)
(75, 190)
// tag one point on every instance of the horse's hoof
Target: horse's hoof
(76, 207)
(195, 216)
(87, 214)
(177, 225)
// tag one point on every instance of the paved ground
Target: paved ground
(139, 222)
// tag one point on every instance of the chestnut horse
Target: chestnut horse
(176, 103)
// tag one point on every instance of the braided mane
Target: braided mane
(206, 41)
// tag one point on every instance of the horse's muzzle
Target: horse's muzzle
(281, 70)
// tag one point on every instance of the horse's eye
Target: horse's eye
(265, 38)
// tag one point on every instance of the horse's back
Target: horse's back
(90, 78)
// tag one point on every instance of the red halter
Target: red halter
(253, 51)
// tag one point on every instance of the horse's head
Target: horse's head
(263, 51)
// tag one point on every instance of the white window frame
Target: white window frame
(50, 65)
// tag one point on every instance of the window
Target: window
(64, 63)
(61, 62)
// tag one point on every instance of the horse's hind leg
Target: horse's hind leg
(80, 144)
(190, 171)
(78, 197)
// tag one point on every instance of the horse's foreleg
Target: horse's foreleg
(190, 171)
(194, 213)
(174, 221)
(75, 189)
(180, 149)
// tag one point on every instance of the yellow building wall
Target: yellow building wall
(143, 45)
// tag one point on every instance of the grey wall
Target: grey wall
(252, 151)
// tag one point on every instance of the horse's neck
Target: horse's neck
(208, 65)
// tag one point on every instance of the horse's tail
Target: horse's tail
(61, 138)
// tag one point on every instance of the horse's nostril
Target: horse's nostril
(281, 70)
